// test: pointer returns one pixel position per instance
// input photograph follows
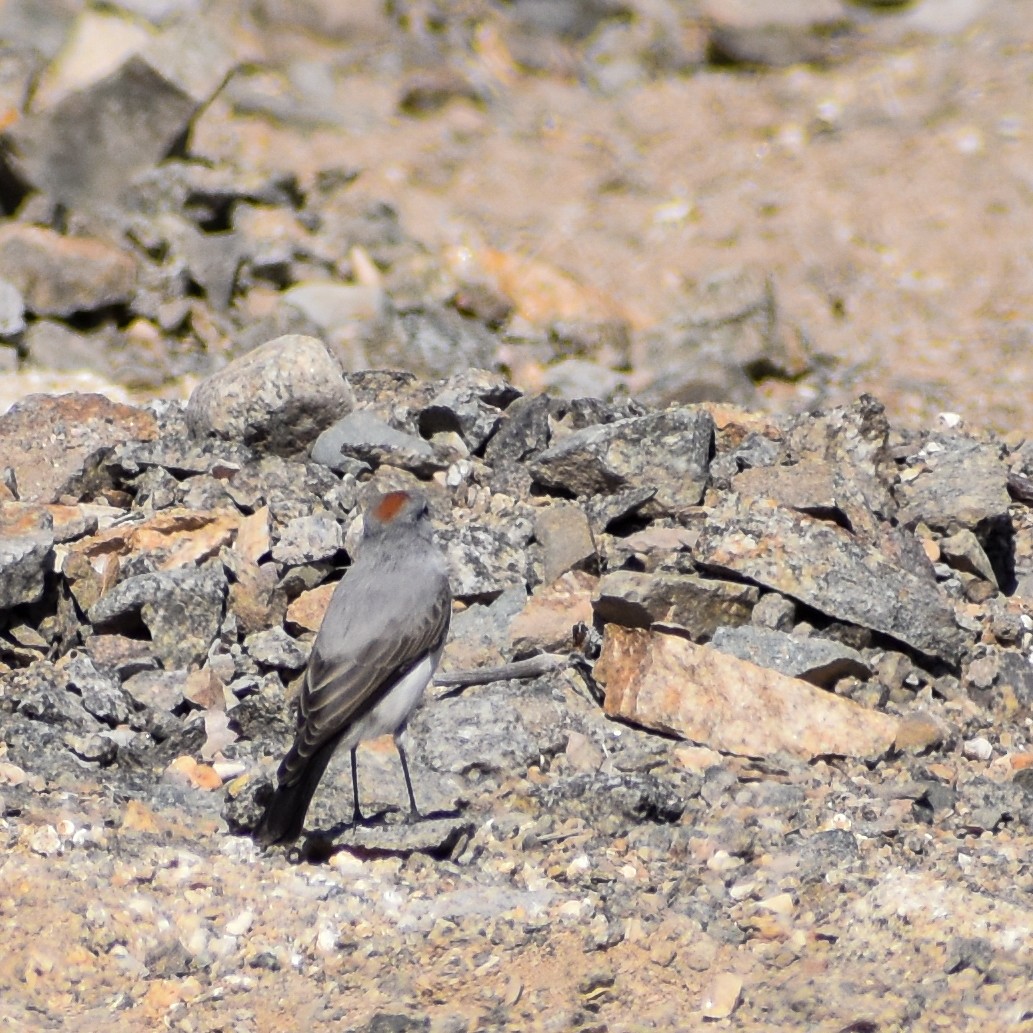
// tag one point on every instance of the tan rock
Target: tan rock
(308, 609)
(565, 537)
(48, 440)
(672, 685)
(550, 614)
(180, 537)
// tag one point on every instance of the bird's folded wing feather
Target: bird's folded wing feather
(340, 688)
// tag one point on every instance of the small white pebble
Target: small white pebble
(45, 841)
(951, 420)
(241, 924)
(977, 748)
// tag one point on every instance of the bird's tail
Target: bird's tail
(285, 813)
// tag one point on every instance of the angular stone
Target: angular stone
(275, 648)
(547, 621)
(954, 483)
(54, 443)
(364, 437)
(701, 606)
(308, 539)
(565, 536)
(962, 551)
(671, 685)
(669, 451)
(845, 495)
(59, 275)
(471, 402)
(26, 553)
(819, 661)
(487, 557)
(826, 567)
(169, 539)
(86, 149)
(181, 608)
(277, 398)
(308, 610)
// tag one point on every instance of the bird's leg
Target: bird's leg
(414, 811)
(357, 817)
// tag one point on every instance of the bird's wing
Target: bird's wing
(341, 687)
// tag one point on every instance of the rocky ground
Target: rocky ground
(767, 762)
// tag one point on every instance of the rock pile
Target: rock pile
(825, 620)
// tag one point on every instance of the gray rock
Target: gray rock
(774, 611)
(101, 694)
(487, 558)
(361, 436)
(820, 661)
(470, 403)
(954, 483)
(437, 341)
(822, 565)
(277, 398)
(25, 558)
(308, 539)
(275, 648)
(699, 605)
(962, 551)
(85, 150)
(667, 451)
(497, 730)
(181, 608)
(565, 536)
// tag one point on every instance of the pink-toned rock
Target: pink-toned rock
(59, 276)
(672, 685)
(49, 441)
(546, 621)
(308, 609)
(176, 538)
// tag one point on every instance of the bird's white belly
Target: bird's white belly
(391, 712)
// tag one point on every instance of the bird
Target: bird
(374, 655)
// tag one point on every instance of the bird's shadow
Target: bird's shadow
(320, 845)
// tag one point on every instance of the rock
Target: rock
(55, 443)
(84, 151)
(819, 661)
(843, 494)
(181, 608)
(695, 692)
(26, 553)
(437, 341)
(698, 605)
(669, 451)
(308, 539)
(275, 648)
(471, 403)
(954, 483)
(486, 558)
(962, 551)
(362, 437)
(565, 536)
(277, 398)
(61, 276)
(820, 564)
(546, 623)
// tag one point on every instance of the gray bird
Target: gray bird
(374, 654)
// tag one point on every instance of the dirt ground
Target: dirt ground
(889, 195)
